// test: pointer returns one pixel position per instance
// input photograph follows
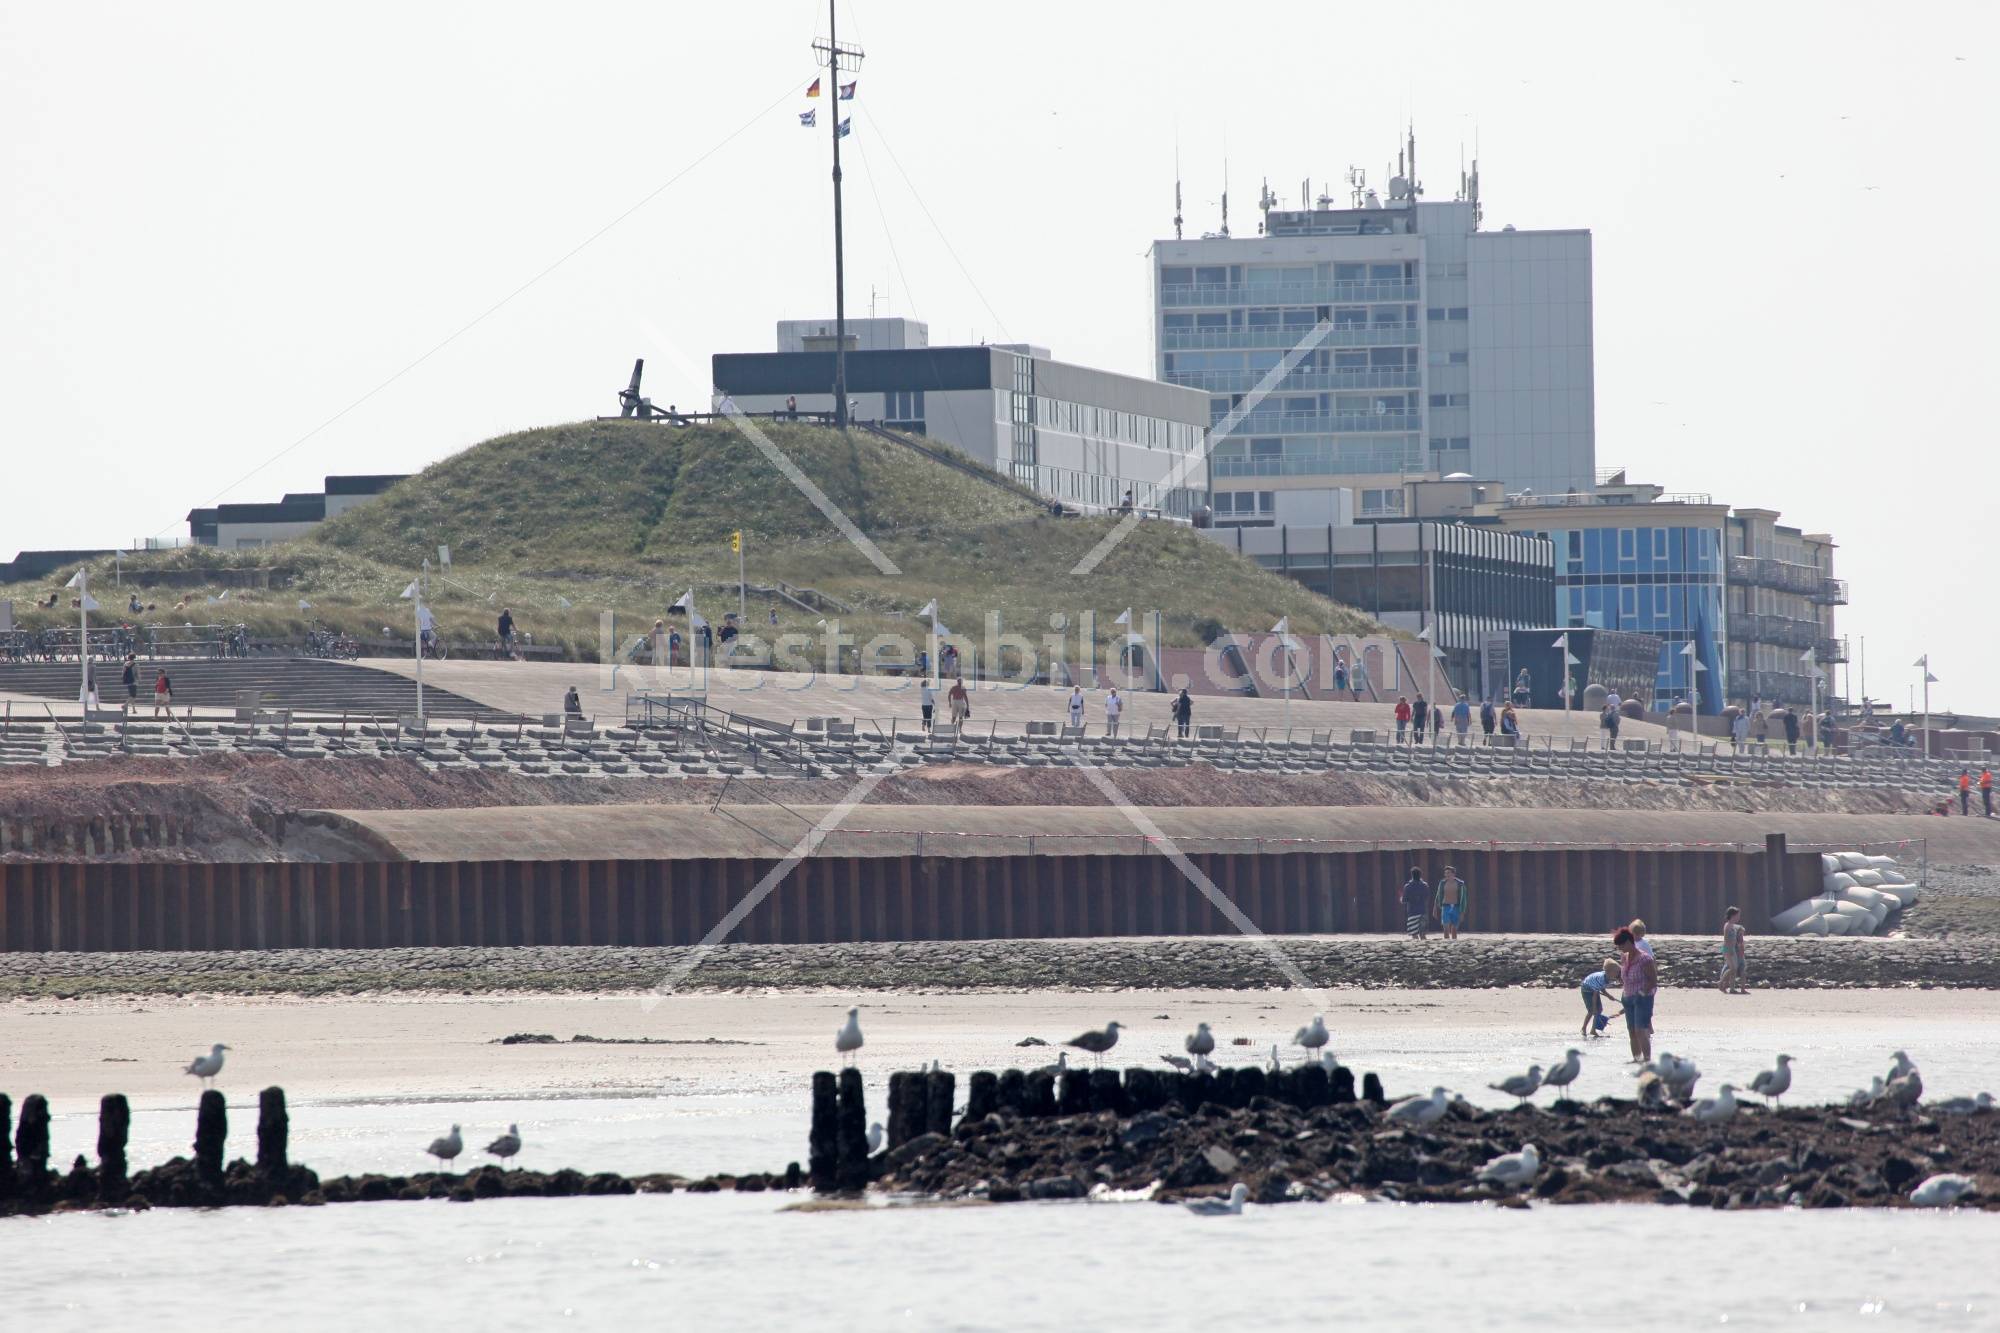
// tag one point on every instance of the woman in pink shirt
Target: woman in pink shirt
(1640, 979)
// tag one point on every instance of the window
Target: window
(1460, 358)
(1434, 313)
(1456, 313)
(1176, 277)
(1180, 321)
(1350, 272)
(1628, 544)
(1385, 272)
(1450, 399)
(1214, 276)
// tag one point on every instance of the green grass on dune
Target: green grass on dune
(623, 516)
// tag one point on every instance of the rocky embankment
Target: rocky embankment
(1302, 1135)
(1202, 963)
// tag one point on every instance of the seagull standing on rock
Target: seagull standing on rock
(446, 1148)
(1228, 1207)
(1313, 1035)
(1965, 1105)
(503, 1147)
(1905, 1089)
(1565, 1071)
(1200, 1041)
(206, 1067)
(875, 1135)
(1420, 1111)
(1097, 1043)
(1180, 1062)
(1520, 1086)
(1515, 1168)
(848, 1040)
(1773, 1082)
(1862, 1098)
(1714, 1110)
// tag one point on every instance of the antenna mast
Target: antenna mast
(1177, 190)
(836, 58)
(1225, 195)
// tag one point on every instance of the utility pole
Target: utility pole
(836, 58)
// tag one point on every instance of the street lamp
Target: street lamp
(1695, 668)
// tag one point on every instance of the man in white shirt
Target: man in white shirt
(1076, 706)
(927, 695)
(1113, 706)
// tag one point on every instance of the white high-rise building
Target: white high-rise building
(1449, 348)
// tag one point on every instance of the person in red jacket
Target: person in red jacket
(1402, 717)
(1965, 791)
(1986, 790)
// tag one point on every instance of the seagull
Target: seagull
(1906, 1089)
(446, 1148)
(1059, 1068)
(1680, 1075)
(1714, 1110)
(1204, 1065)
(1865, 1097)
(1277, 1065)
(1200, 1041)
(1180, 1062)
(1652, 1088)
(1420, 1111)
(206, 1067)
(1941, 1191)
(1313, 1035)
(1964, 1105)
(1097, 1043)
(875, 1138)
(503, 1147)
(1228, 1207)
(848, 1040)
(1773, 1082)
(1520, 1086)
(1901, 1067)
(1515, 1168)
(1329, 1061)
(1565, 1071)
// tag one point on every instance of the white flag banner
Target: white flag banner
(564, 602)
(407, 594)
(1562, 642)
(942, 631)
(1923, 661)
(76, 579)
(1124, 617)
(928, 608)
(695, 622)
(89, 602)
(224, 597)
(1284, 625)
(304, 605)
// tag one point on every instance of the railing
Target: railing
(1377, 335)
(1831, 592)
(1243, 381)
(1318, 423)
(1284, 293)
(1530, 500)
(1749, 627)
(1762, 571)
(1831, 650)
(1312, 465)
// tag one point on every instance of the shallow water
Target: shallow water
(737, 1261)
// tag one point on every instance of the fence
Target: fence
(91, 906)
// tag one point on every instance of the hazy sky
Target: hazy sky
(223, 227)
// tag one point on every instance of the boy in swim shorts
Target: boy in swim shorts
(1594, 987)
(1452, 901)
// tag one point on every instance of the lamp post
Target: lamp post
(1695, 668)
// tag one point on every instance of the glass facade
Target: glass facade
(1661, 580)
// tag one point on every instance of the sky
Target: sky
(243, 246)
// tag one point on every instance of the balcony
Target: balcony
(1748, 627)
(1784, 575)
(1316, 465)
(1243, 381)
(1829, 651)
(1345, 335)
(1831, 592)
(1578, 499)
(1326, 423)
(1301, 293)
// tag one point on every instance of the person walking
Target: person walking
(1607, 722)
(1452, 900)
(1114, 708)
(958, 702)
(506, 628)
(1733, 965)
(1402, 718)
(1639, 981)
(1760, 727)
(131, 679)
(1075, 707)
(1416, 905)
(1791, 731)
(1461, 719)
(927, 699)
(1183, 712)
(1524, 690)
(1986, 790)
(1965, 791)
(1489, 717)
(1340, 674)
(1420, 712)
(1739, 730)
(163, 694)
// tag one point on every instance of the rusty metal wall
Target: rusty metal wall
(91, 906)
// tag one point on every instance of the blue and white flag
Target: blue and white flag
(845, 126)
(809, 118)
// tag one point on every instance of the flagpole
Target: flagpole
(1925, 663)
(418, 604)
(835, 53)
(83, 639)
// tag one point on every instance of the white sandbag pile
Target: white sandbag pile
(1858, 894)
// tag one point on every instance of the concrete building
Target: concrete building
(243, 527)
(866, 334)
(1459, 581)
(1782, 596)
(1082, 436)
(1449, 348)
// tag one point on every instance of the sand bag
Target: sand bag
(1837, 883)
(1792, 916)
(1852, 860)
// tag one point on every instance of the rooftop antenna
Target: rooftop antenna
(1266, 201)
(1357, 184)
(837, 58)
(1225, 192)
(1177, 189)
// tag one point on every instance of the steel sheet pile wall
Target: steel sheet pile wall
(278, 905)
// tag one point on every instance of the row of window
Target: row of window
(1106, 423)
(1451, 400)
(1293, 317)
(1229, 503)
(1454, 313)
(1629, 550)
(1216, 275)
(1319, 359)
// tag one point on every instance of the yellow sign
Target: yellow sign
(736, 541)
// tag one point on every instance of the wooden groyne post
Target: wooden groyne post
(114, 1131)
(822, 1146)
(851, 1134)
(274, 1132)
(211, 1133)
